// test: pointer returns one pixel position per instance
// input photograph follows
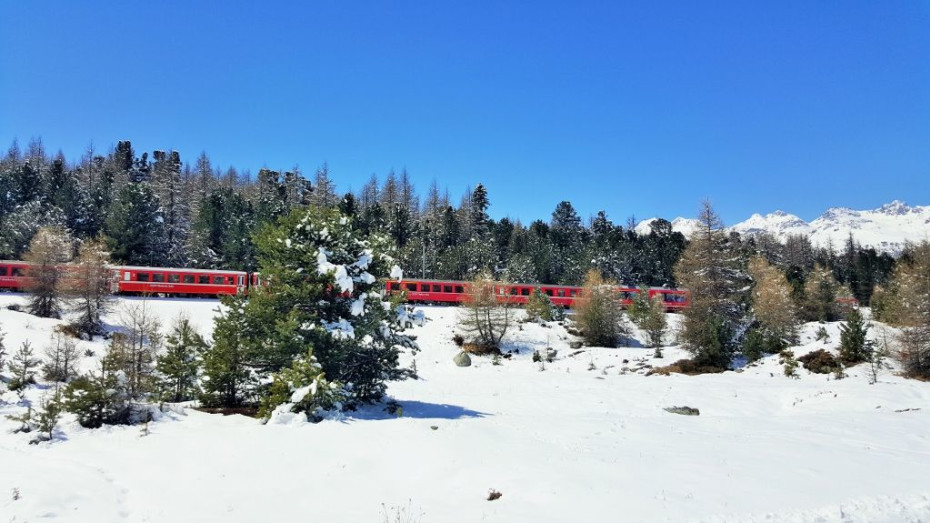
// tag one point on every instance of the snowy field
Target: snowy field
(584, 438)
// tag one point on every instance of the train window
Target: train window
(424, 287)
(241, 280)
(446, 288)
(174, 278)
(411, 286)
(525, 291)
(514, 291)
(2, 271)
(459, 289)
(188, 278)
(437, 288)
(158, 277)
(548, 292)
(127, 276)
(218, 280)
(203, 279)
(16, 271)
(561, 293)
(142, 276)
(572, 293)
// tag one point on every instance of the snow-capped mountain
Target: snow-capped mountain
(886, 228)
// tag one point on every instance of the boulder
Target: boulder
(684, 411)
(574, 344)
(462, 359)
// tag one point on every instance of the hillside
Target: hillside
(584, 438)
(885, 228)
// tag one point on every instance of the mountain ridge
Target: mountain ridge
(885, 228)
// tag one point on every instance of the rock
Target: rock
(550, 354)
(684, 411)
(462, 359)
(574, 344)
(434, 427)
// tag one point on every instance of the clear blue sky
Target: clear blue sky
(638, 108)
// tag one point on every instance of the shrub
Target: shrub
(688, 367)
(97, 401)
(820, 362)
(791, 364)
(486, 314)
(539, 307)
(302, 388)
(598, 311)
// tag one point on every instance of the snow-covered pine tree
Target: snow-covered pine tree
(711, 269)
(169, 189)
(49, 248)
(321, 296)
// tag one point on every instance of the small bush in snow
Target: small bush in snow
(61, 358)
(539, 307)
(23, 368)
(598, 311)
(791, 364)
(97, 400)
(820, 362)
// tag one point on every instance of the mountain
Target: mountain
(886, 228)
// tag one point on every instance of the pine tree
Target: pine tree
(820, 293)
(710, 269)
(322, 296)
(302, 388)
(655, 324)
(539, 306)
(46, 418)
(23, 368)
(135, 228)
(179, 364)
(854, 343)
(228, 380)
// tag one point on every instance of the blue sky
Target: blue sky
(638, 108)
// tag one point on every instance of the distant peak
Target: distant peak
(896, 207)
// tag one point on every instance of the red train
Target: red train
(148, 280)
(208, 282)
(442, 291)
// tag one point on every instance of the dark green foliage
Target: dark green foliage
(342, 320)
(47, 416)
(179, 364)
(854, 344)
(758, 343)
(714, 338)
(23, 367)
(314, 393)
(97, 400)
(791, 364)
(135, 227)
(539, 307)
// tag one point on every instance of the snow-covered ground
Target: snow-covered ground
(584, 438)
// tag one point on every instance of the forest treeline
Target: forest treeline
(159, 211)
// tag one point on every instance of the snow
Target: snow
(886, 228)
(559, 441)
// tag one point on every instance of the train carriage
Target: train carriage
(179, 282)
